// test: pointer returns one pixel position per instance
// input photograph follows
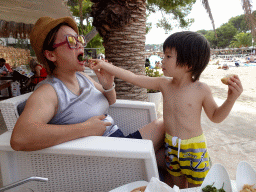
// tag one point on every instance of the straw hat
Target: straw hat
(41, 29)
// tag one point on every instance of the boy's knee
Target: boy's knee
(159, 124)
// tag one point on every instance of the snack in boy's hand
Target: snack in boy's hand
(139, 189)
(225, 79)
(248, 188)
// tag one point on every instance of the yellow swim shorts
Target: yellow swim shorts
(187, 157)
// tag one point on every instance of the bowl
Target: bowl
(245, 174)
(216, 177)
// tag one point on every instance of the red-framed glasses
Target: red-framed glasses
(72, 41)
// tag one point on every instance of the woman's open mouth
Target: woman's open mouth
(81, 57)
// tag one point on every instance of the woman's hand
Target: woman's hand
(105, 78)
(96, 125)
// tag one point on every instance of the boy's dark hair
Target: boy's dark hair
(48, 45)
(193, 50)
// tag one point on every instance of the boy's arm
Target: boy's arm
(139, 80)
(218, 114)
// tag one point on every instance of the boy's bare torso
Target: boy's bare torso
(182, 107)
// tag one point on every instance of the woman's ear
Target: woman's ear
(50, 55)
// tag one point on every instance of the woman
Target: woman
(61, 109)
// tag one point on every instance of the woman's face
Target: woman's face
(66, 59)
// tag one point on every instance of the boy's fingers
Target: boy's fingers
(237, 81)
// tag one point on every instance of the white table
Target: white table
(130, 186)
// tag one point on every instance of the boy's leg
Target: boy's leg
(180, 181)
(190, 185)
(154, 131)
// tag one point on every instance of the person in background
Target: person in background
(147, 63)
(186, 56)
(39, 71)
(3, 70)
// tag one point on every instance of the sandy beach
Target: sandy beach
(234, 139)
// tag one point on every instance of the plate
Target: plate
(245, 174)
(217, 175)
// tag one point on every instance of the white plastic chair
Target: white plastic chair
(87, 164)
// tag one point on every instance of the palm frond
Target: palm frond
(251, 20)
(208, 9)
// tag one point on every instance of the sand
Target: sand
(234, 139)
(211, 76)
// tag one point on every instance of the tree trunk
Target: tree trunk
(125, 47)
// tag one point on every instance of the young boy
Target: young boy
(186, 56)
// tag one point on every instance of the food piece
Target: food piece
(209, 188)
(221, 189)
(139, 189)
(224, 80)
(248, 188)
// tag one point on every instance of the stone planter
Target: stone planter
(155, 98)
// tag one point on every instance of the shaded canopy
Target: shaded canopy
(18, 16)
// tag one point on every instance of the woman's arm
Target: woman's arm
(32, 132)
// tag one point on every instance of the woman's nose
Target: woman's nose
(79, 45)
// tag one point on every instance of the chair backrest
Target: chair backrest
(87, 164)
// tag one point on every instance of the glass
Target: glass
(72, 41)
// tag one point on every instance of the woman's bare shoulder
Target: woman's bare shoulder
(44, 93)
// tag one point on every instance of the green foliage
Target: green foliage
(152, 73)
(210, 36)
(225, 33)
(86, 8)
(148, 25)
(174, 13)
(242, 40)
(239, 23)
(96, 42)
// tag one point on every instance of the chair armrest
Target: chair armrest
(9, 110)
(97, 146)
(94, 146)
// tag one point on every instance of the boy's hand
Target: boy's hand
(235, 87)
(104, 77)
(96, 64)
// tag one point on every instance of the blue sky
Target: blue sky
(222, 11)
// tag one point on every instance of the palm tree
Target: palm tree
(122, 24)
(251, 20)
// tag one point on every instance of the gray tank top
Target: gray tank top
(74, 109)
